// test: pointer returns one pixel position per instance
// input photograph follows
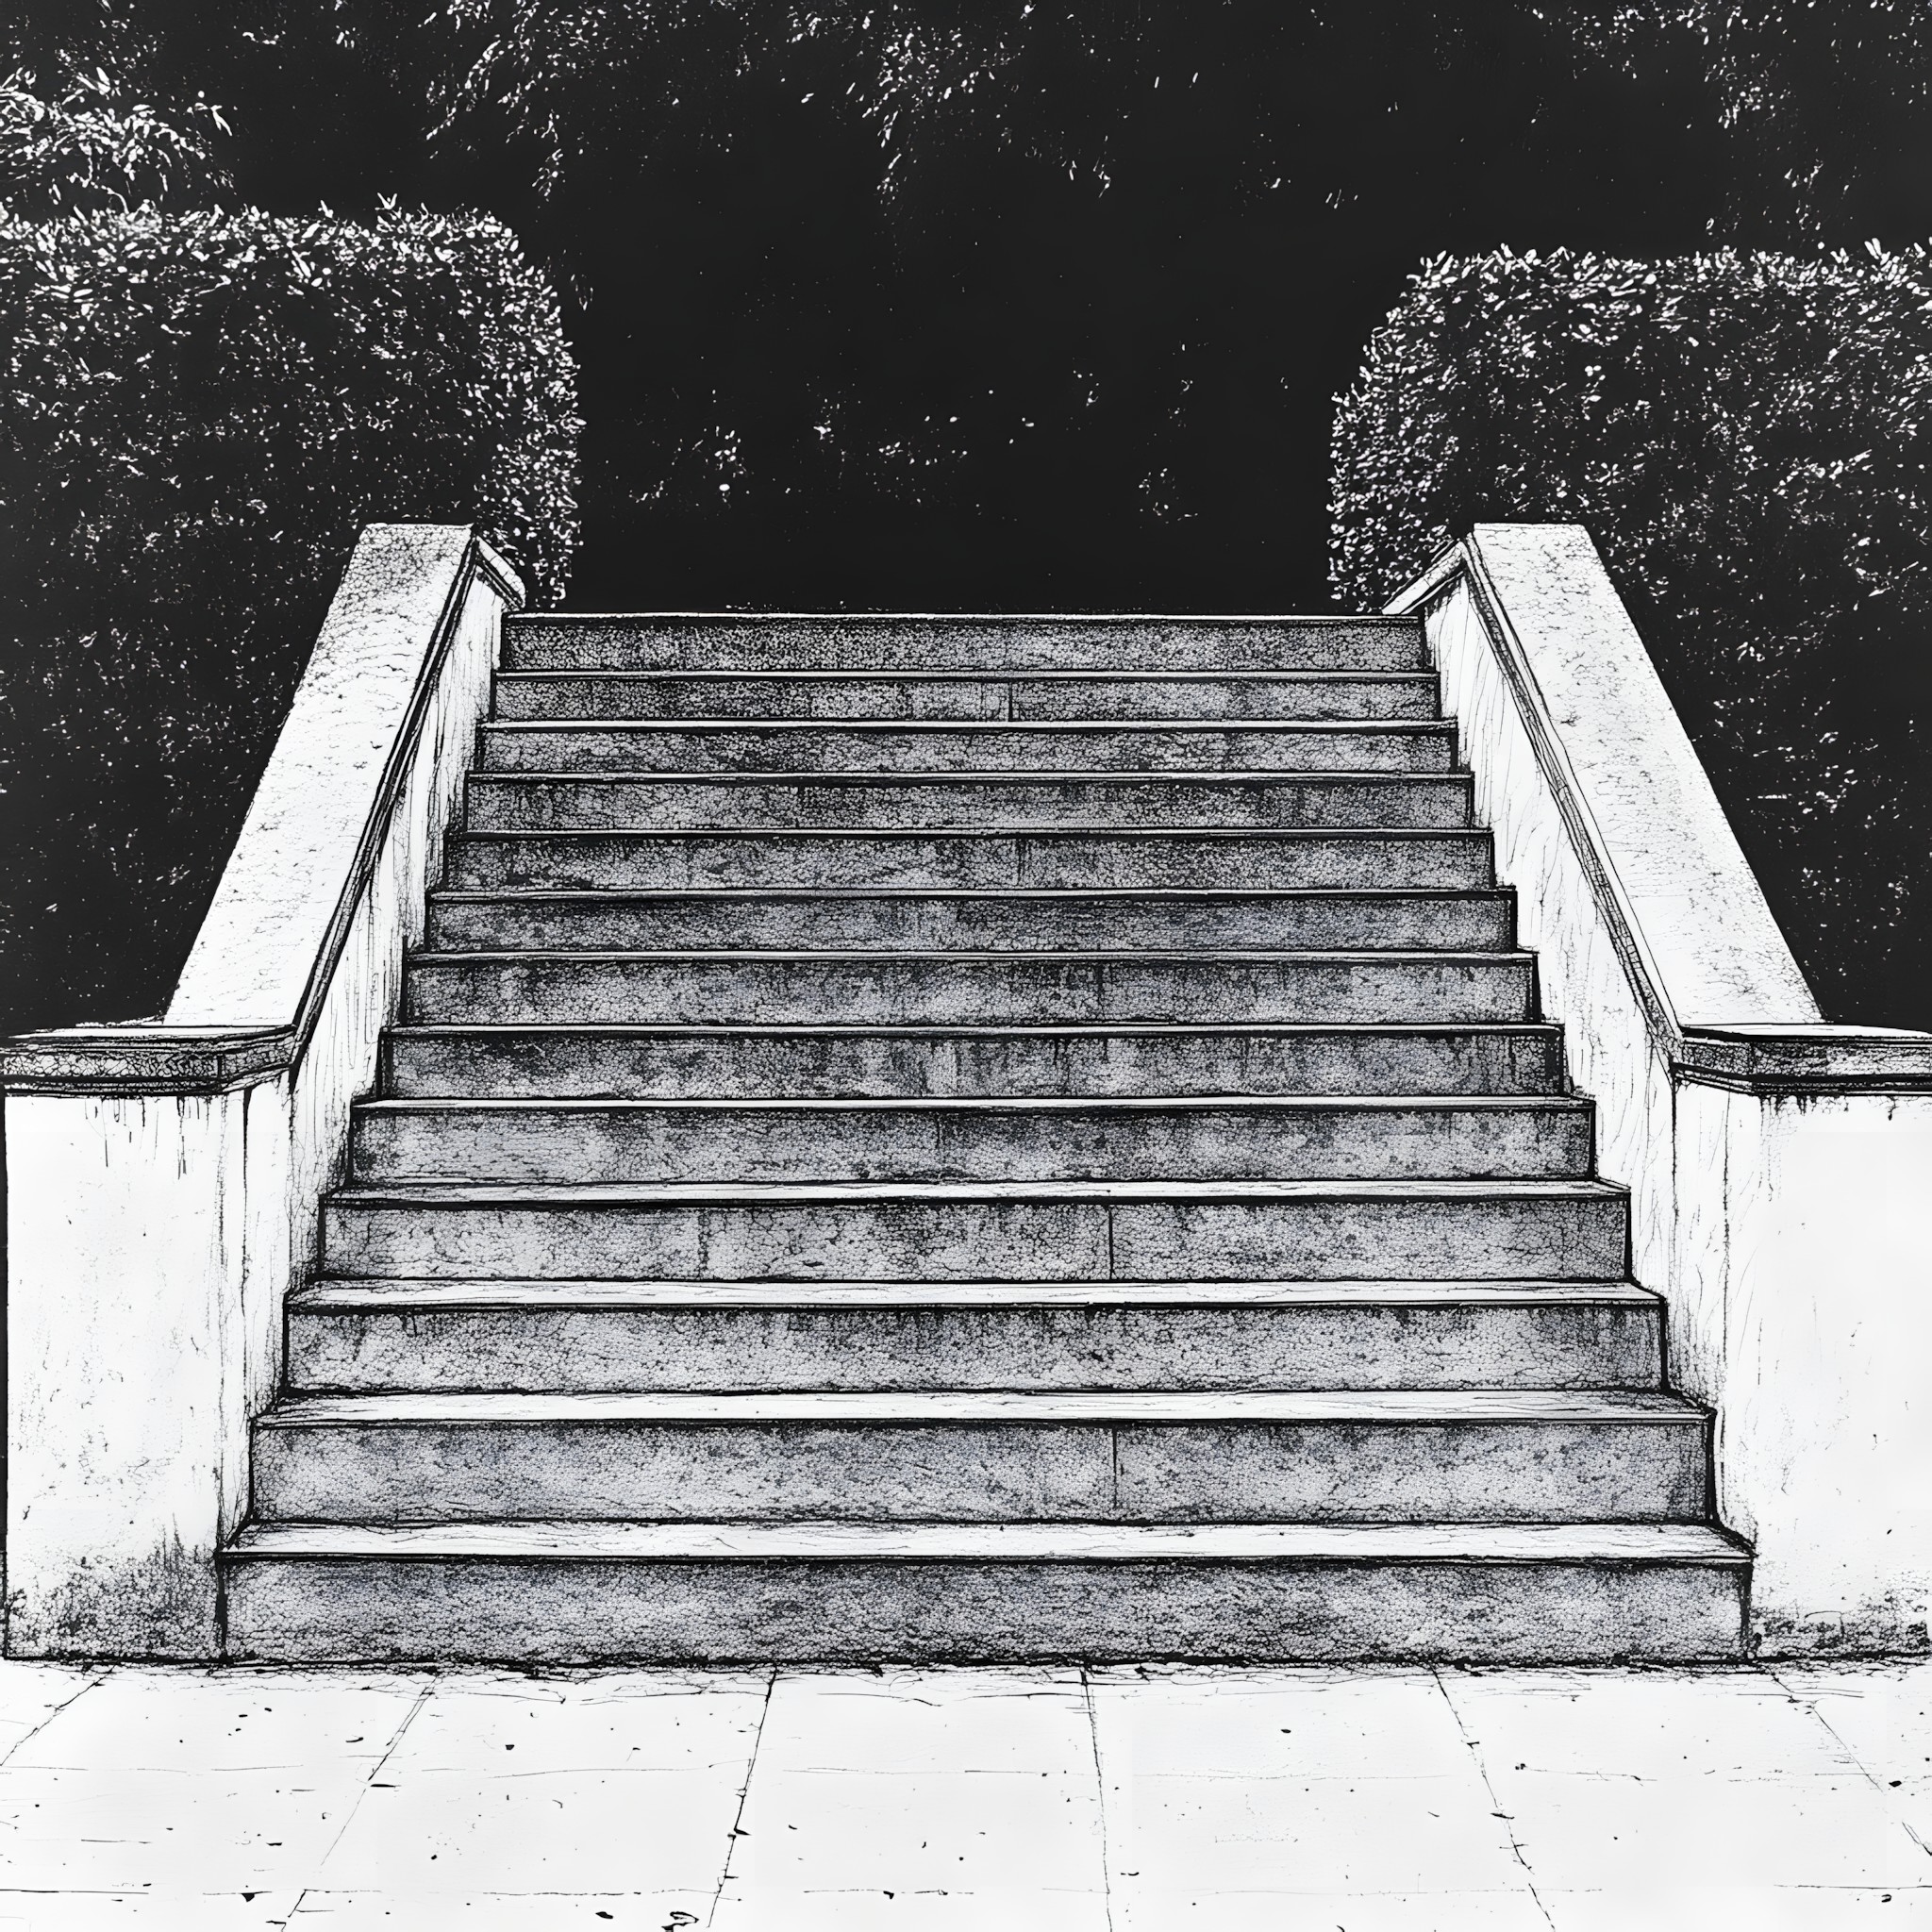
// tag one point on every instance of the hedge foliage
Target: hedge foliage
(198, 412)
(1747, 438)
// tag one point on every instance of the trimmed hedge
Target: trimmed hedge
(1747, 438)
(198, 412)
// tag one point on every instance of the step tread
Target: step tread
(964, 620)
(1056, 1104)
(1096, 1029)
(820, 1194)
(1018, 674)
(1046, 829)
(1422, 727)
(1035, 1542)
(972, 896)
(1032, 1406)
(1086, 774)
(976, 955)
(359, 1296)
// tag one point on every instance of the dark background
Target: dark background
(1006, 305)
(1025, 306)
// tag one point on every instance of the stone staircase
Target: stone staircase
(981, 1138)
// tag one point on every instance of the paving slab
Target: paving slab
(1120, 1799)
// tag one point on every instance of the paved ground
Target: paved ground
(1129, 1798)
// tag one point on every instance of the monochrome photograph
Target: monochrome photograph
(966, 967)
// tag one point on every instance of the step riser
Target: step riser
(586, 1350)
(1226, 1472)
(537, 644)
(779, 1612)
(503, 802)
(757, 1145)
(1362, 923)
(827, 748)
(1559, 1238)
(1454, 861)
(667, 1067)
(967, 700)
(965, 990)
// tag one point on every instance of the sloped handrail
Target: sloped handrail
(1723, 996)
(252, 990)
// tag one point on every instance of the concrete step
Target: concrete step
(974, 1139)
(1100, 745)
(1569, 1230)
(1005, 801)
(826, 1062)
(851, 1592)
(684, 858)
(1109, 920)
(544, 1336)
(1334, 1455)
(992, 694)
(940, 989)
(681, 641)
(1118, 1138)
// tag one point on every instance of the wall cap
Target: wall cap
(1806, 1059)
(144, 1056)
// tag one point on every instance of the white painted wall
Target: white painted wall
(1804, 1249)
(163, 1181)
(1780, 1170)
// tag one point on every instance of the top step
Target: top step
(735, 642)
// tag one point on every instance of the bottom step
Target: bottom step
(575, 1592)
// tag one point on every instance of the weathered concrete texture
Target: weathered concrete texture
(1166, 1456)
(1695, 906)
(1364, 1593)
(822, 1062)
(968, 921)
(1114, 1139)
(966, 989)
(368, 693)
(1051, 1231)
(1038, 698)
(1776, 1166)
(708, 745)
(1046, 858)
(544, 1336)
(975, 1164)
(163, 1178)
(678, 643)
(615, 801)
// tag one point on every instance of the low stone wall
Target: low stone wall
(163, 1179)
(1780, 1169)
